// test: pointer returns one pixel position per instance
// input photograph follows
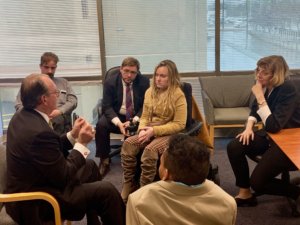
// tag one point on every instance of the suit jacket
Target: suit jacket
(284, 103)
(38, 160)
(113, 95)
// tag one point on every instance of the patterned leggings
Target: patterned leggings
(150, 156)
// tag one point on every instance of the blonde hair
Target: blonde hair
(174, 82)
(277, 66)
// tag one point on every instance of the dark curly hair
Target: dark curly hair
(187, 159)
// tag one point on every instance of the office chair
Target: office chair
(193, 128)
(115, 148)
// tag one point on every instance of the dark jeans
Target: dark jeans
(272, 163)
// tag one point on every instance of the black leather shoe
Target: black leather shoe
(104, 167)
(248, 202)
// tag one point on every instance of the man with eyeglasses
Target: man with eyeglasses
(117, 109)
(38, 159)
(66, 101)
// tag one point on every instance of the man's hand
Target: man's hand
(145, 134)
(86, 134)
(122, 127)
(78, 124)
(55, 113)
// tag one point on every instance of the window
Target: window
(180, 30)
(31, 27)
(253, 29)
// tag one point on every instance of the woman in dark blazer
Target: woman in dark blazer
(277, 106)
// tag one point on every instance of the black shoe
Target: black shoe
(104, 167)
(248, 202)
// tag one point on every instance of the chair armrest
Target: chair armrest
(26, 196)
(193, 129)
(208, 108)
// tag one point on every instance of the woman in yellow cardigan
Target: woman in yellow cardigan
(164, 114)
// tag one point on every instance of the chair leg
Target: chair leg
(212, 135)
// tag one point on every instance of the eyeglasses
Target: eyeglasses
(262, 72)
(126, 72)
(49, 67)
(56, 92)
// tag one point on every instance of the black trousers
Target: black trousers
(93, 197)
(263, 178)
(102, 136)
(85, 195)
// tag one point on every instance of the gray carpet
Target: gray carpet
(270, 210)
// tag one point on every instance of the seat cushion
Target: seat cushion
(227, 116)
(228, 91)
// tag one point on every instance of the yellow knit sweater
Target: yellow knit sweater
(176, 120)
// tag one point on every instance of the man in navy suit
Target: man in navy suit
(38, 159)
(113, 118)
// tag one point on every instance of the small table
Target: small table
(288, 140)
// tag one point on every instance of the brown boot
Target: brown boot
(128, 161)
(149, 167)
(127, 189)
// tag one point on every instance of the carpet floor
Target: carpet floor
(273, 210)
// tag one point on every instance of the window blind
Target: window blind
(67, 28)
(156, 30)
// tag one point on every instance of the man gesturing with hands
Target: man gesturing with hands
(38, 159)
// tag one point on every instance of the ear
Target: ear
(42, 99)
(165, 175)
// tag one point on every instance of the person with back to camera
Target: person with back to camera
(277, 106)
(164, 114)
(184, 195)
(67, 100)
(38, 159)
(115, 112)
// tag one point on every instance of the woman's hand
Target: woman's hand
(258, 92)
(246, 136)
(145, 134)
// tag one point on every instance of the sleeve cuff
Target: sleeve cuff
(136, 119)
(82, 149)
(252, 118)
(70, 138)
(264, 112)
(115, 121)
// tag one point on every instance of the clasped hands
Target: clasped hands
(82, 131)
(145, 134)
(126, 127)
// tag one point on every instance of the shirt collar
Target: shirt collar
(44, 115)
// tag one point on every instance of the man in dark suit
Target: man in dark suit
(114, 116)
(38, 160)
